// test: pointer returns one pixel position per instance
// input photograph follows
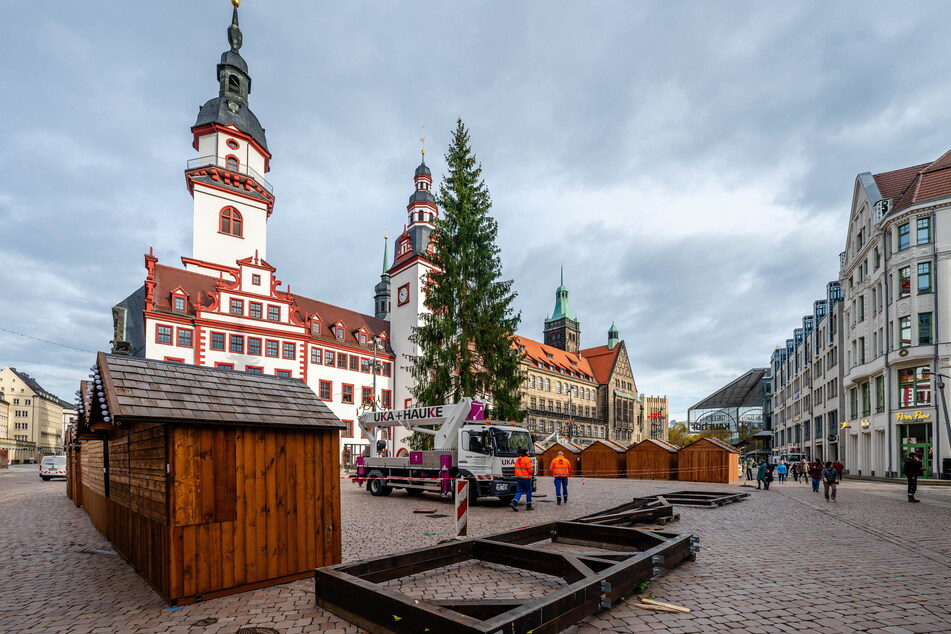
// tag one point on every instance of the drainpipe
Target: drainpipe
(888, 348)
(936, 465)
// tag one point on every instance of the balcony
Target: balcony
(218, 161)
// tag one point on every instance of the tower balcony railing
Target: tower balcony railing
(219, 161)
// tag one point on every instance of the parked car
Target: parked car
(53, 467)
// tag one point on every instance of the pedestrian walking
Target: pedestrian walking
(815, 472)
(750, 466)
(804, 471)
(795, 471)
(912, 468)
(781, 470)
(560, 468)
(829, 479)
(769, 475)
(839, 467)
(524, 470)
(761, 473)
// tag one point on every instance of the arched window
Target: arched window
(234, 84)
(232, 163)
(230, 222)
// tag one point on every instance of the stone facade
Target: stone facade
(34, 417)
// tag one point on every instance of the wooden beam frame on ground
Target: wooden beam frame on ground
(703, 498)
(594, 580)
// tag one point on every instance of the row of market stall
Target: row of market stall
(705, 460)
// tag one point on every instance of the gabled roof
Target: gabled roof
(199, 288)
(602, 360)
(607, 443)
(663, 444)
(538, 352)
(39, 390)
(146, 389)
(920, 183)
(715, 441)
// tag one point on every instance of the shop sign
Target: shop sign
(919, 415)
(833, 438)
(865, 423)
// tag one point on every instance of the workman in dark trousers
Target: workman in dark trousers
(560, 468)
(524, 471)
(912, 469)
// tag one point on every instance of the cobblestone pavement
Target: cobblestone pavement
(784, 560)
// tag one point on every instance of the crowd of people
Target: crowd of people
(815, 473)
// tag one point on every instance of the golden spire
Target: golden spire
(422, 140)
(236, 3)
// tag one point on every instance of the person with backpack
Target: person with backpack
(829, 479)
(761, 473)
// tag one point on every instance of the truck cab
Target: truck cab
(487, 456)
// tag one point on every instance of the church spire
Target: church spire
(386, 256)
(381, 297)
(613, 337)
(562, 329)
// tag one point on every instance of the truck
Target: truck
(465, 445)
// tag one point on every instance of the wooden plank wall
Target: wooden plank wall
(137, 470)
(281, 517)
(708, 465)
(647, 461)
(143, 542)
(92, 462)
(600, 461)
(545, 458)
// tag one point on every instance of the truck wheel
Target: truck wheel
(376, 487)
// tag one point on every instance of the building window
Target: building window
(924, 277)
(914, 386)
(231, 163)
(274, 313)
(879, 394)
(185, 337)
(254, 309)
(366, 396)
(355, 363)
(217, 341)
(548, 385)
(315, 329)
(339, 330)
(284, 374)
(866, 399)
(237, 307)
(289, 350)
(861, 307)
(324, 390)
(923, 226)
(164, 334)
(904, 332)
(229, 222)
(386, 397)
(329, 357)
(254, 346)
(237, 344)
(904, 236)
(347, 396)
(366, 365)
(224, 366)
(853, 407)
(386, 369)
(270, 348)
(316, 356)
(363, 339)
(341, 361)
(256, 279)
(924, 329)
(252, 369)
(904, 281)
(178, 304)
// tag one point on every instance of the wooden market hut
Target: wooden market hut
(603, 459)
(572, 453)
(652, 459)
(210, 481)
(708, 460)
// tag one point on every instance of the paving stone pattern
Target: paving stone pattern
(784, 560)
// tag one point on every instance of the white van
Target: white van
(53, 467)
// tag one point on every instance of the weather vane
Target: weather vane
(422, 140)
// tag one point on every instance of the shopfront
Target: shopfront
(917, 436)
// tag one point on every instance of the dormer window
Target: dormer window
(363, 338)
(230, 222)
(315, 329)
(256, 280)
(178, 304)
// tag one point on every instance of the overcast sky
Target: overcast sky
(690, 163)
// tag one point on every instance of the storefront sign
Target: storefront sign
(865, 423)
(919, 415)
(833, 438)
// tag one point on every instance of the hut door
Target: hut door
(203, 475)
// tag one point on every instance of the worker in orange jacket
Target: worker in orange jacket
(560, 468)
(524, 471)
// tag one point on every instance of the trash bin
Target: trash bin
(946, 468)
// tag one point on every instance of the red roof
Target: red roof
(602, 360)
(920, 183)
(199, 288)
(548, 357)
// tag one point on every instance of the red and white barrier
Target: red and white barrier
(462, 507)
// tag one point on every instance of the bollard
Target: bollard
(462, 507)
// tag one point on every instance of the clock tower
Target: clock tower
(562, 329)
(232, 200)
(411, 263)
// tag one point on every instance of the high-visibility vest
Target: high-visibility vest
(560, 467)
(523, 467)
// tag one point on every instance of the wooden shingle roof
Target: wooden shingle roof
(716, 442)
(663, 444)
(146, 389)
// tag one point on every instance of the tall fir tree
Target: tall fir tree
(466, 344)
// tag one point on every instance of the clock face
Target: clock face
(403, 294)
